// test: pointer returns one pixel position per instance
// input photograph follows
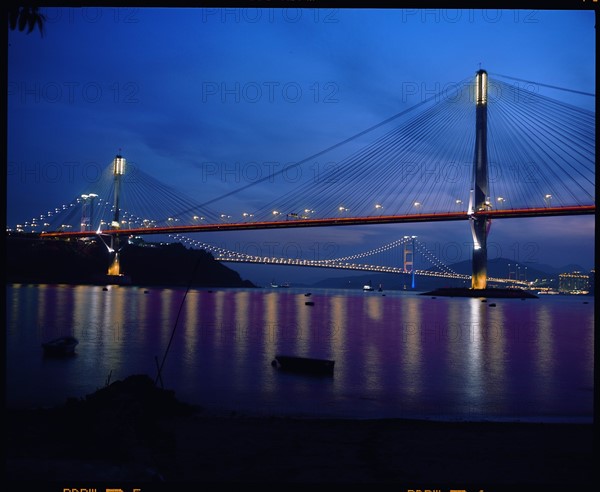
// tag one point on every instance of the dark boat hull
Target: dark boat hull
(304, 365)
(60, 346)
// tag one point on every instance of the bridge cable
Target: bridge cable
(328, 149)
(544, 85)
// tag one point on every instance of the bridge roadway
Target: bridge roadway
(335, 221)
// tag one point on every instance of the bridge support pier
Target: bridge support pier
(479, 275)
(114, 267)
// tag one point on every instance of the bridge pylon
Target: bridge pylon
(480, 193)
(118, 170)
(87, 212)
(409, 258)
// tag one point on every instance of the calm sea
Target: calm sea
(397, 354)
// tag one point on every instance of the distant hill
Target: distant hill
(174, 264)
(33, 260)
(571, 267)
(499, 267)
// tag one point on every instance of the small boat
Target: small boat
(368, 287)
(305, 365)
(60, 346)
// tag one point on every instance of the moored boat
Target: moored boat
(306, 365)
(60, 346)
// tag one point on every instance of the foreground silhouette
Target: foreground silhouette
(132, 430)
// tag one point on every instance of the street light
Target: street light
(548, 199)
(500, 201)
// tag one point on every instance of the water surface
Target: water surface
(397, 354)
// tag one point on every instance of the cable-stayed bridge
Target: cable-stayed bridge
(485, 150)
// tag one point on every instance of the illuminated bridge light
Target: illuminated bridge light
(119, 165)
(481, 87)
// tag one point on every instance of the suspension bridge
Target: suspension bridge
(487, 150)
(402, 260)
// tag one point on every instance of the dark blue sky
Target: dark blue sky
(179, 90)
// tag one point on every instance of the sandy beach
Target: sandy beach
(149, 438)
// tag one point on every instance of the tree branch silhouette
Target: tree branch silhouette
(26, 17)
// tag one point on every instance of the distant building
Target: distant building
(573, 283)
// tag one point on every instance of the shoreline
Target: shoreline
(231, 449)
(131, 431)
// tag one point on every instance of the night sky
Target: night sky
(177, 90)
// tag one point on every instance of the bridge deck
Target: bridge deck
(337, 221)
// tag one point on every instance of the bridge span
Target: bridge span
(335, 221)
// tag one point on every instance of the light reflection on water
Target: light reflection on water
(398, 355)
